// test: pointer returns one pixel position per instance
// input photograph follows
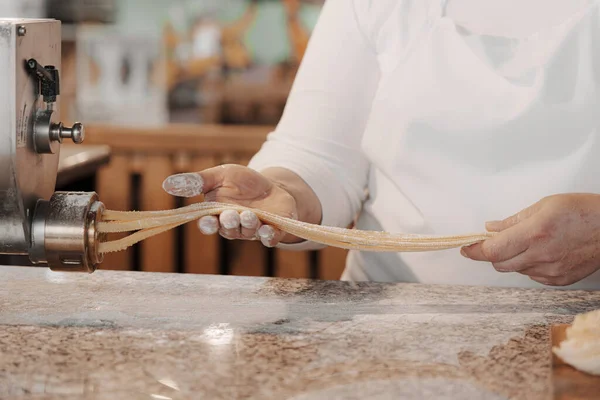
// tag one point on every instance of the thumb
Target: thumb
(194, 183)
(498, 226)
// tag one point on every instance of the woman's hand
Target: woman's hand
(235, 184)
(555, 241)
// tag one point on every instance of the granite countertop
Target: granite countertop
(135, 335)
(78, 161)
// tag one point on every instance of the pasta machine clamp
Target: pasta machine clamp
(64, 234)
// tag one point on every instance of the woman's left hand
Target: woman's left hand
(555, 242)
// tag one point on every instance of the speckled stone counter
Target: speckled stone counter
(127, 335)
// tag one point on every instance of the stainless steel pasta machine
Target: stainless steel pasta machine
(55, 229)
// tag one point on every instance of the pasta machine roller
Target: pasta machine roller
(53, 229)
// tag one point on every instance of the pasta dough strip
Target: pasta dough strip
(151, 223)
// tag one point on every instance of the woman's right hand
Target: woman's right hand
(236, 184)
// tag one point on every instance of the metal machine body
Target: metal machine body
(52, 228)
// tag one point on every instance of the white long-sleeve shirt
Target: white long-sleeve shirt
(446, 122)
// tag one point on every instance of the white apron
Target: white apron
(484, 127)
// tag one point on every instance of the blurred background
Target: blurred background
(175, 86)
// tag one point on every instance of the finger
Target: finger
(543, 280)
(270, 236)
(502, 247)
(499, 226)
(519, 263)
(230, 224)
(550, 270)
(195, 183)
(555, 281)
(184, 185)
(473, 252)
(571, 277)
(209, 225)
(250, 224)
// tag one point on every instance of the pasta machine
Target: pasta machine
(53, 229)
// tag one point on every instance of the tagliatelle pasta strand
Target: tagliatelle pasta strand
(146, 224)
